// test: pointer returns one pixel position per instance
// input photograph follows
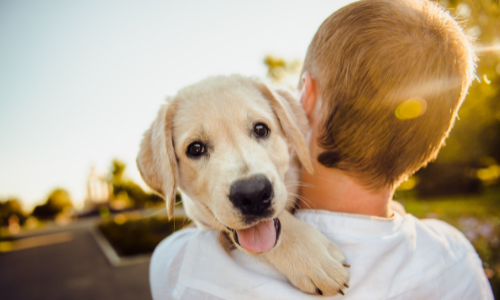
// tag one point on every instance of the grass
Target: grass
(486, 205)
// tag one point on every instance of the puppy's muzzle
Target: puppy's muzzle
(252, 196)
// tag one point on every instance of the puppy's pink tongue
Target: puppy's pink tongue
(258, 238)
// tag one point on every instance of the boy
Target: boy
(382, 83)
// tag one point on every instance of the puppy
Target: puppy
(230, 144)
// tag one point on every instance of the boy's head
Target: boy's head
(391, 75)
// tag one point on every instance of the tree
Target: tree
(9, 208)
(117, 170)
(472, 146)
(476, 135)
(133, 191)
(56, 203)
(283, 72)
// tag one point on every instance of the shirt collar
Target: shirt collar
(350, 224)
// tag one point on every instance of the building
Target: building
(98, 190)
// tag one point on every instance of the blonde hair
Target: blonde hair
(375, 59)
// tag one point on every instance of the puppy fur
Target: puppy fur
(221, 112)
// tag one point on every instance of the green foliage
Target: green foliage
(117, 170)
(472, 148)
(129, 189)
(283, 72)
(9, 208)
(56, 203)
(476, 134)
(135, 193)
(441, 179)
(136, 236)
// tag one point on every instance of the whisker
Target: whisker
(153, 213)
(293, 181)
(297, 183)
(303, 199)
(305, 203)
(186, 221)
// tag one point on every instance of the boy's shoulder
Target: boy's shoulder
(401, 258)
(437, 233)
(417, 258)
(447, 235)
(453, 269)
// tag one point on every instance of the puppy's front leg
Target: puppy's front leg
(309, 260)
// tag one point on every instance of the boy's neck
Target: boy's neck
(334, 190)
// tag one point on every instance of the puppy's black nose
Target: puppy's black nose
(252, 196)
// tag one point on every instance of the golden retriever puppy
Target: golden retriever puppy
(230, 144)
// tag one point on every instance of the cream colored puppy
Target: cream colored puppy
(230, 144)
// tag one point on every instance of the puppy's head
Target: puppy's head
(226, 142)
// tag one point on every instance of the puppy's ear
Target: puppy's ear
(292, 119)
(156, 159)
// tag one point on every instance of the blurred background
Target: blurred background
(81, 81)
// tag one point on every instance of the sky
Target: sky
(80, 81)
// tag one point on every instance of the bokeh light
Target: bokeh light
(411, 108)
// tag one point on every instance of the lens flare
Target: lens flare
(480, 50)
(411, 108)
(486, 79)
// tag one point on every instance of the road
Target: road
(68, 265)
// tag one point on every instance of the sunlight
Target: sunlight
(480, 50)
(486, 79)
(425, 89)
(37, 241)
(411, 108)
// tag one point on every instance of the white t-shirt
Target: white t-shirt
(397, 258)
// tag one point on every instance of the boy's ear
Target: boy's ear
(309, 95)
(156, 160)
(292, 120)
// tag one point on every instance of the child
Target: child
(382, 83)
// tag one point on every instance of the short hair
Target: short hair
(370, 59)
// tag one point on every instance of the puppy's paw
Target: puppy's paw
(310, 261)
(322, 270)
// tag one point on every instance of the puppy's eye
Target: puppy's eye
(261, 130)
(195, 149)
